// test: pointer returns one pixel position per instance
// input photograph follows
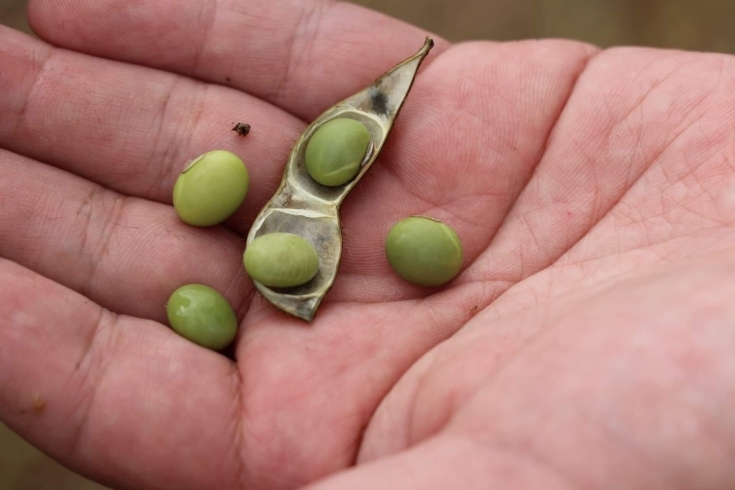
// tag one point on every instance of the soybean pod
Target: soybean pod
(305, 207)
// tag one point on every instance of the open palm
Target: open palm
(587, 344)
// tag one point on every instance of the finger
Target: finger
(116, 398)
(450, 462)
(302, 55)
(126, 254)
(128, 128)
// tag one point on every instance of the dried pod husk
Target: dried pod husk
(306, 208)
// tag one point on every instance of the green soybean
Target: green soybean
(202, 315)
(424, 251)
(211, 188)
(336, 150)
(281, 260)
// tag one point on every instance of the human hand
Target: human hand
(586, 344)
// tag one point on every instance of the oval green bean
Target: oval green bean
(424, 251)
(336, 150)
(211, 188)
(281, 260)
(202, 315)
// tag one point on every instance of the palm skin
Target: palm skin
(585, 345)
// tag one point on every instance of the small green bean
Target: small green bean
(202, 315)
(424, 251)
(336, 150)
(211, 188)
(281, 260)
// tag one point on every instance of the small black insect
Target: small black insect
(241, 129)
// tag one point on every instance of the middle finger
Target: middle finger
(126, 254)
(132, 129)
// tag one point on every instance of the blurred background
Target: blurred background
(701, 25)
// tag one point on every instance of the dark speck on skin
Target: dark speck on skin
(241, 129)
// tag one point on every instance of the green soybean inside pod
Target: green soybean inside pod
(304, 207)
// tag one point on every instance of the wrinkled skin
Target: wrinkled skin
(587, 343)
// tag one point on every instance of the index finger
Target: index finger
(301, 55)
